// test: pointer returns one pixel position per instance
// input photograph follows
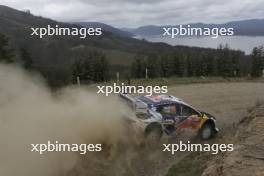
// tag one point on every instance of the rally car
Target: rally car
(160, 114)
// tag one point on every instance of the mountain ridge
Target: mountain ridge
(249, 27)
(106, 27)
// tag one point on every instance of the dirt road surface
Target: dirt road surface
(229, 102)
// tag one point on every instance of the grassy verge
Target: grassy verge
(189, 166)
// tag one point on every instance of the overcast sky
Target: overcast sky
(134, 13)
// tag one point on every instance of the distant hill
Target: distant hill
(58, 50)
(106, 27)
(252, 27)
(54, 55)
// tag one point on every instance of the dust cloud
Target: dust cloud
(31, 114)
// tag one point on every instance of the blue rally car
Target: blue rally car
(160, 114)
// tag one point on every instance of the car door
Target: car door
(189, 117)
(169, 111)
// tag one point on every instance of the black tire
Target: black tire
(207, 131)
(153, 134)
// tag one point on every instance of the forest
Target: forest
(94, 67)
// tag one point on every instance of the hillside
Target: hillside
(54, 56)
(17, 25)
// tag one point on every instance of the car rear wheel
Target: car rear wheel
(154, 134)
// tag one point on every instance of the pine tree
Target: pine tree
(178, 65)
(257, 62)
(26, 58)
(165, 66)
(224, 63)
(190, 66)
(100, 67)
(91, 68)
(138, 67)
(209, 65)
(152, 64)
(6, 54)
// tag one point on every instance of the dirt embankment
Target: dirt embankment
(248, 157)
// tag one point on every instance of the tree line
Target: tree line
(222, 62)
(94, 66)
(91, 68)
(257, 61)
(7, 55)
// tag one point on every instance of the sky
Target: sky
(135, 13)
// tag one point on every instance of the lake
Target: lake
(244, 43)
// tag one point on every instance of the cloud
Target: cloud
(133, 13)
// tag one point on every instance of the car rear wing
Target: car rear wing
(135, 104)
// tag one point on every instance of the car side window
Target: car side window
(170, 109)
(187, 111)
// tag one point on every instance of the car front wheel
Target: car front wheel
(153, 134)
(206, 132)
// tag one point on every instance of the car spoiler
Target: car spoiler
(135, 104)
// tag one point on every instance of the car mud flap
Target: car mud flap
(216, 130)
